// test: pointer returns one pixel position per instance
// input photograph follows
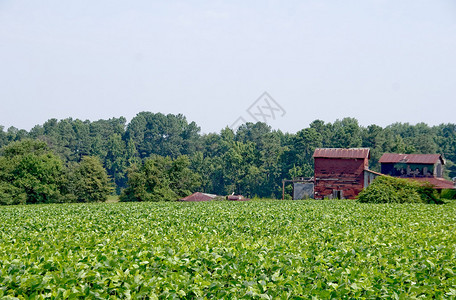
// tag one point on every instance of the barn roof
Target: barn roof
(342, 153)
(438, 183)
(196, 197)
(428, 159)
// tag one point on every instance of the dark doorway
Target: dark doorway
(338, 194)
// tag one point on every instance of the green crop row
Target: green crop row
(213, 250)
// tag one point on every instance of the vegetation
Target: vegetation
(449, 194)
(386, 189)
(219, 249)
(251, 161)
(160, 179)
(88, 181)
(31, 173)
(256, 250)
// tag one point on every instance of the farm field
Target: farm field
(257, 249)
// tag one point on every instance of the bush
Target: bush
(386, 189)
(449, 194)
(9, 194)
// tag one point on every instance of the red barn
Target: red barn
(341, 173)
(421, 167)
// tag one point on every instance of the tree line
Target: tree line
(164, 157)
(31, 173)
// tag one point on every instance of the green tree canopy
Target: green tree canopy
(88, 181)
(165, 135)
(29, 168)
(160, 179)
(252, 161)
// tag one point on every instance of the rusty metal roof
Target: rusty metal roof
(342, 153)
(438, 183)
(428, 159)
(197, 197)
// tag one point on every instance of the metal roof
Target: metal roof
(438, 183)
(428, 159)
(199, 197)
(342, 153)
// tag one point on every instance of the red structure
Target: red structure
(420, 167)
(341, 173)
(438, 183)
(236, 198)
(198, 197)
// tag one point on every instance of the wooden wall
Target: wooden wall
(338, 174)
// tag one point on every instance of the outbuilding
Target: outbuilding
(421, 167)
(198, 197)
(412, 165)
(341, 173)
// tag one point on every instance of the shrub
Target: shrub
(9, 194)
(448, 194)
(386, 189)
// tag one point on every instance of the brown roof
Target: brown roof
(438, 183)
(342, 153)
(428, 159)
(199, 197)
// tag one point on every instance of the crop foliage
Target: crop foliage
(257, 249)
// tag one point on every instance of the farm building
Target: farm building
(303, 188)
(341, 173)
(236, 198)
(197, 197)
(421, 167)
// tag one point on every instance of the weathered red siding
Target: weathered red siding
(341, 174)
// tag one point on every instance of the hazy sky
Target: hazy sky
(380, 61)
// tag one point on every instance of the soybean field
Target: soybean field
(238, 250)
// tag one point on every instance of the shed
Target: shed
(412, 165)
(438, 183)
(339, 172)
(303, 190)
(303, 187)
(237, 198)
(198, 196)
(420, 167)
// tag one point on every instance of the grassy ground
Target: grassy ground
(257, 249)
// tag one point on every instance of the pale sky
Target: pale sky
(380, 61)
